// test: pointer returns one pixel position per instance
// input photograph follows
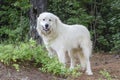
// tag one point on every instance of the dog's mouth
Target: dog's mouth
(46, 29)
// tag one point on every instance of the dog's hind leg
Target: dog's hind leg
(87, 53)
(72, 59)
(82, 60)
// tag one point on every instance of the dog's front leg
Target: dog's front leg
(51, 52)
(61, 57)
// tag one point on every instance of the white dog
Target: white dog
(61, 38)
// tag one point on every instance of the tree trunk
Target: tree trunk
(38, 6)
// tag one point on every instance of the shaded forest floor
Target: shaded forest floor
(99, 62)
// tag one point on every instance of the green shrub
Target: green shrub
(14, 22)
(116, 41)
(108, 31)
(12, 53)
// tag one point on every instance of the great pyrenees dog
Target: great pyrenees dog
(60, 38)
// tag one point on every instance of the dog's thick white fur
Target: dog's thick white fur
(61, 38)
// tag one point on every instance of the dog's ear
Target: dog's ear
(57, 20)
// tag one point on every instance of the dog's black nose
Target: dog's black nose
(46, 26)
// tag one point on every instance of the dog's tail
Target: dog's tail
(86, 46)
(90, 47)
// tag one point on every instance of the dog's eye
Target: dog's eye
(43, 19)
(49, 19)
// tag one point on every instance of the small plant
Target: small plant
(16, 67)
(106, 74)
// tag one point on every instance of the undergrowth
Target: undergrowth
(10, 54)
(106, 74)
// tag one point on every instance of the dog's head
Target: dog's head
(46, 23)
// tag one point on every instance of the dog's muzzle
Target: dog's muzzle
(46, 27)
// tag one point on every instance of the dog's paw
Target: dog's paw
(50, 55)
(83, 68)
(89, 72)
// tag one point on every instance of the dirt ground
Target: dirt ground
(99, 62)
